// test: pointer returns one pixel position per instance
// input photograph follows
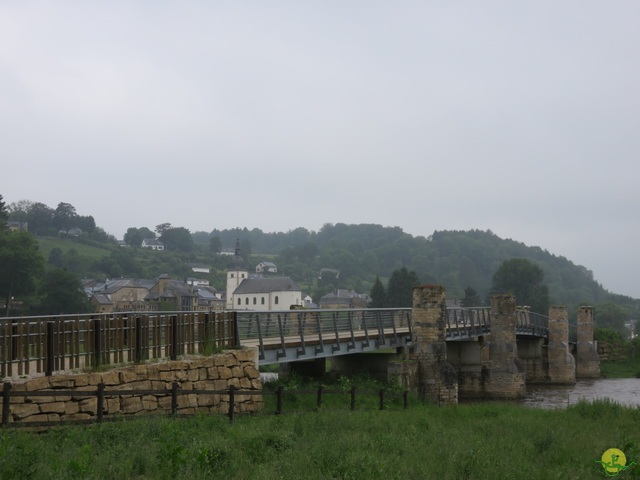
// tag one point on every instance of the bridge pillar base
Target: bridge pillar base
(561, 364)
(588, 360)
(436, 380)
(505, 376)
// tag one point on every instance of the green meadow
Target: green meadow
(488, 440)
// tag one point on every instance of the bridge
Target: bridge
(296, 335)
(444, 353)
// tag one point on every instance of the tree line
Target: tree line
(470, 264)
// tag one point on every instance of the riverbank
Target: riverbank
(630, 368)
(479, 441)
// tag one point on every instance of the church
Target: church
(250, 292)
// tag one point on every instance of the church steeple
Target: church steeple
(235, 275)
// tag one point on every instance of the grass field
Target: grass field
(47, 244)
(628, 369)
(479, 441)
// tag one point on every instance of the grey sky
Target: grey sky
(519, 117)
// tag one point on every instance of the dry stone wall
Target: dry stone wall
(213, 373)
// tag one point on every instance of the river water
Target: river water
(625, 391)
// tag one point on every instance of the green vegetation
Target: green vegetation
(480, 441)
(337, 256)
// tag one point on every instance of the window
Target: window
(254, 300)
(239, 302)
(232, 275)
(276, 300)
(262, 300)
(246, 301)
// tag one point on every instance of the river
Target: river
(625, 391)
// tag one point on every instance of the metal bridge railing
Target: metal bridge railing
(31, 345)
(322, 329)
(467, 322)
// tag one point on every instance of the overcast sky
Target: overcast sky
(519, 117)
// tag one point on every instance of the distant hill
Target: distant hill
(356, 253)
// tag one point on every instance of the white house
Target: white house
(266, 267)
(152, 243)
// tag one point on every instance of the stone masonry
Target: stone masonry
(588, 361)
(217, 372)
(437, 380)
(505, 373)
(561, 364)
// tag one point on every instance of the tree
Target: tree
(21, 263)
(64, 216)
(163, 227)
(523, 279)
(471, 298)
(610, 315)
(215, 245)
(4, 215)
(40, 219)
(378, 294)
(61, 292)
(177, 239)
(134, 236)
(400, 288)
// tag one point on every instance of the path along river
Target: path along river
(625, 391)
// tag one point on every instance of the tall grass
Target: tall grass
(479, 441)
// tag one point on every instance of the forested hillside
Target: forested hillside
(336, 256)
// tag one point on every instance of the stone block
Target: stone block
(149, 402)
(62, 381)
(71, 408)
(113, 405)
(193, 375)
(251, 372)
(55, 407)
(36, 384)
(131, 405)
(44, 417)
(111, 378)
(89, 405)
(23, 410)
(82, 380)
(128, 376)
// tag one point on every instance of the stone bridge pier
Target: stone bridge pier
(588, 361)
(505, 375)
(549, 360)
(425, 368)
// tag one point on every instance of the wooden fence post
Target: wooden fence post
(381, 399)
(100, 394)
(174, 337)
(6, 404)
(319, 399)
(97, 342)
(138, 344)
(49, 360)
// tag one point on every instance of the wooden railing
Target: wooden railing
(32, 345)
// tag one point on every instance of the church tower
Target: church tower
(235, 275)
